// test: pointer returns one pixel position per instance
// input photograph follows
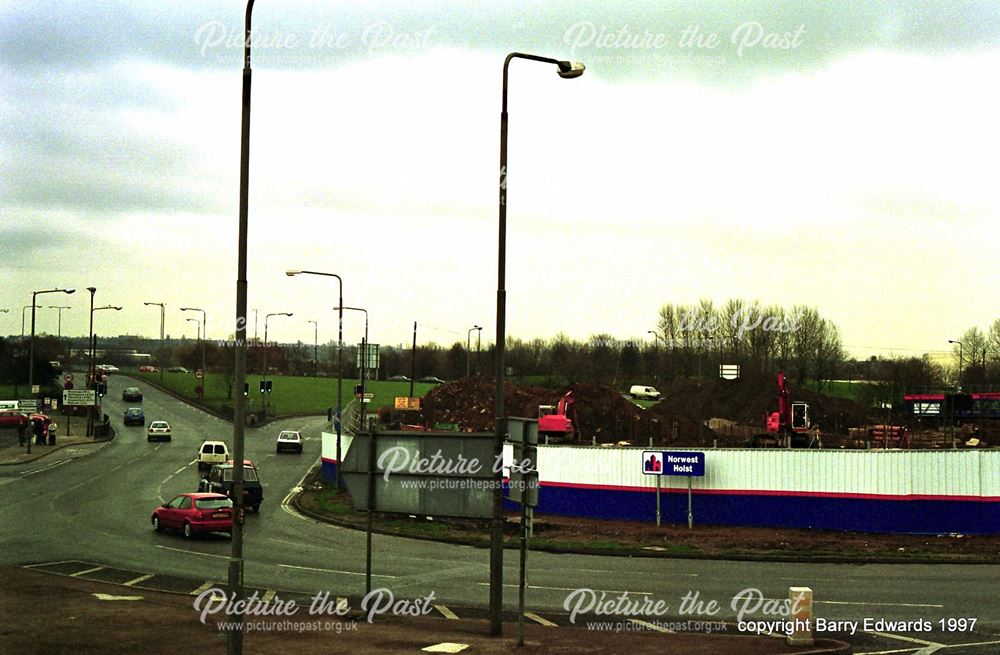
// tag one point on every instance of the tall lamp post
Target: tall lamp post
(31, 346)
(340, 357)
(204, 326)
(960, 361)
(60, 308)
(197, 333)
(566, 70)
(24, 318)
(266, 376)
(93, 348)
(315, 344)
(468, 349)
(656, 356)
(162, 307)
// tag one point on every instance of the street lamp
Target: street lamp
(162, 307)
(566, 70)
(31, 346)
(60, 308)
(204, 326)
(197, 322)
(960, 361)
(315, 344)
(24, 317)
(468, 350)
(266, 376)
(340, 356)
(656, 360)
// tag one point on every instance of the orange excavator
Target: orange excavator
(558, 423)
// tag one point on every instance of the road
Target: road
(92, 504)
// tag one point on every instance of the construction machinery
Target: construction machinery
(789, 426)
(558, 423)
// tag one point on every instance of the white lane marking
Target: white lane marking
(181, 469)
(848, 602)
(650, 626)
(268, 596)
(203, 588)
(141, 578)
(912, 640)
(309, 568)
(45, 468)
(537, 619)
(193, 552)
(86, 571)
(446, 613)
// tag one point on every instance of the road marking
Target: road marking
(651, 626)
(193, 552)
(63, 561)
(610, 591)
(203, 588)
(309, 568)
(446, 613)
(85, 571)
(268, 596)
(180, 469)
(847, 602)
(912, 640)
(537, 619)
(141, 578)
(45, 468)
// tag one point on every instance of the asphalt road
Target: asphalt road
(93, 504)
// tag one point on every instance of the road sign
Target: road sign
(81, 397)
(672, 462)
(367, 398)
(68, 377)
(199, 374)
(35, 388)
(67, 385)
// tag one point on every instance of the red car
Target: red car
(195, 512)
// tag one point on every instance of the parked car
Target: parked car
(195, 512)
(288, 440)
(107, 369)
(131, 395)
(399, 378)
(430, 379)
(220, 480)
(135, 416)
(177, 369)
(12, 418)
(158, 431)
(212, 452)
(146, 368)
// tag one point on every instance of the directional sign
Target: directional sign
(673, 462)
(405, 402)
(82, 397)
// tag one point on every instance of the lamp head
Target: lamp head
(568, 70)
(92, 289)
(292, 273)
(69, 290)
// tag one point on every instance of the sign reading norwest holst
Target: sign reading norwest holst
(691, 464)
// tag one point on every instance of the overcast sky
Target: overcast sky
(837, 155)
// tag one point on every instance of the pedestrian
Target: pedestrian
(21, 425)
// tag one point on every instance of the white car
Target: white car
(158, 431)
(212, 452)
(289, 440)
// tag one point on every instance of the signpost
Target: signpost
(523, 432)
(79, 397)
(688, 464)
(406, 403)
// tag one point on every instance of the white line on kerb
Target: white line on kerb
(912, 640)
(309, 568)
(609, 591)
(537, 619)
(446, 613)
(651, 626)
(141, 578)
(192, 552)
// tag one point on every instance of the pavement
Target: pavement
(12, 453)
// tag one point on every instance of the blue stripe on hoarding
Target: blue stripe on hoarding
(852, 514)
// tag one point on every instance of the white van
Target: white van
(212, 452)
(646, 393)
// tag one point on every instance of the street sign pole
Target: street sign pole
(658, 501)
(690, 514)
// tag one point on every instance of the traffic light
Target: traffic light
(263, 386)
(102, 389)
(246, 389)
(269, 386)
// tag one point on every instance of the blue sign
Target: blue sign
(655, 462)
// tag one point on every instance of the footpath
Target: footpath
(11, 452)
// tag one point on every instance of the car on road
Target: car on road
(146, 368)
(195, 512)
(430, 379)
(212, 452)
(158, 431)
(131, 395)
(107, 369)
(399, 378)
(135, 416)
(646, 393)
(177, 369)
(288, 440)
(220, 480)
